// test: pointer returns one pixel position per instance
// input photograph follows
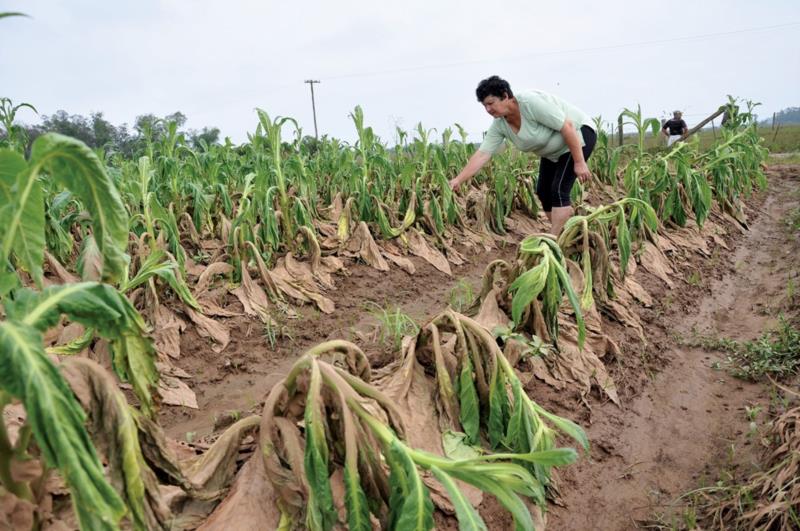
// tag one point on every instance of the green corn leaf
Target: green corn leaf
(8, 282)
(57, 421)
(103, 308)
(416, 510)
(554, 457)
(468, 397)
(511, 475)
(157, 264)
(623, 241)
(355, 500)
(320, 514)
(565, 425)
(71, 163)
(515, 439)
(468, 517)
(399, 483)
(498, 408)
(586, 264)
(566, 285)
(76, 346)
(506, 496)
(527, 287)
(21, 213)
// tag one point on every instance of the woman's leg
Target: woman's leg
(565, 178)
(547, 170)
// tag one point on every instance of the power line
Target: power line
(561, 52)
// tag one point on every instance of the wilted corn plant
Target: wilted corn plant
(540, 281)
(683, 181)
(54, 418)
(588, 239)
(735, 163)
(382, 474)
(480, 394)
(605, 159)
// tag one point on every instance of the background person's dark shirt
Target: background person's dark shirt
(675, 127)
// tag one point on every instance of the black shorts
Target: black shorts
(556, 178)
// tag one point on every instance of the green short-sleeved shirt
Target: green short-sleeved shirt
(543, 116)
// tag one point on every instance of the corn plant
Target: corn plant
(341, 404)
(641, 124)
(15, 136)
(540, 281)
(54, 418)
(480, 394)
(590, 236)
(605, 159)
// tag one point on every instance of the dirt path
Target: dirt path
(691, 420)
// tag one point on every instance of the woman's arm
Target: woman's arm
(475, 163)
(573, 142)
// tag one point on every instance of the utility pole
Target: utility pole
(313, 105)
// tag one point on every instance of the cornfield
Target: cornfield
(103, 241)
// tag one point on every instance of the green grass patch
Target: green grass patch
(776, 353)
(394, 325)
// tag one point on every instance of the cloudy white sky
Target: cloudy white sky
(403, 62)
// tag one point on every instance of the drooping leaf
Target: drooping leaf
(57, 421)
(507, 497)
(320, 514)
(468, 398)
(566, 426)
(356, 501)
(498, 409)
(416, 510)
(115, 433)
(527, 287)
(21, 213)
(468, 517)
(90, 260)
(112, 315)
(71, 163)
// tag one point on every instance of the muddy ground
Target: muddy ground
(682, 418)
(690, 425)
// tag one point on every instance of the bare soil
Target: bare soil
(682, 415)
(690, 421)
(238, 379)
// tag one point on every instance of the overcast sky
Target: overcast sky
(404, 61)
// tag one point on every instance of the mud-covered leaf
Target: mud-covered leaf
(115, 432)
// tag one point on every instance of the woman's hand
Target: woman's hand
(582, 171)
(475, 163)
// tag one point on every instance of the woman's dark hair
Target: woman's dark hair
(493, 86)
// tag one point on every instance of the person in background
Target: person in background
(674, 129)
(536, 122)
